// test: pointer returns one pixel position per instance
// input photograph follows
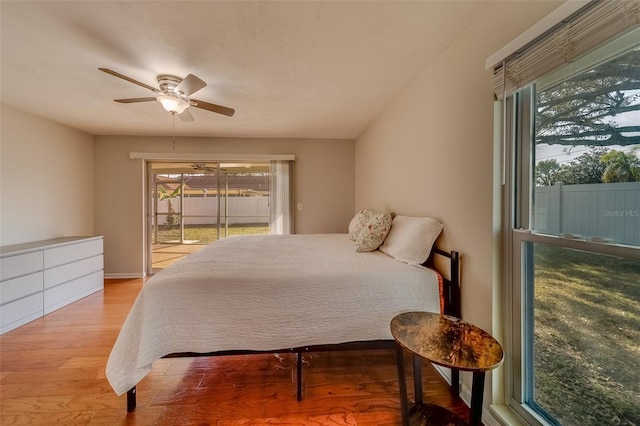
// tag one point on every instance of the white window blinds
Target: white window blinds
(593, 25)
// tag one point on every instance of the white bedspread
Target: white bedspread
(267, 292)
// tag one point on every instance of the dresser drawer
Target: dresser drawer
(19, 312)
(71, 271)
(17, 288)
(62, 295)
(72, 252)
(22, 264)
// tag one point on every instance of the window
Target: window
(574, 241)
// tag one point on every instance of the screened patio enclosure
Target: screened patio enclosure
(192, 204)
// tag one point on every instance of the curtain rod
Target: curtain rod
(176, 156)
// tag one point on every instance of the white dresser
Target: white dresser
(39, 277)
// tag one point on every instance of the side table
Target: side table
(449, 342)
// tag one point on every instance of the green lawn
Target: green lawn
(587, 337)
(205, 234)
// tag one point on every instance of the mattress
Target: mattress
(267, 292)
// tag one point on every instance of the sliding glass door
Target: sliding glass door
(193, 204)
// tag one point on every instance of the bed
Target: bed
(274, 294)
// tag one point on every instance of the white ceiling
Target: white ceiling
(303, 69)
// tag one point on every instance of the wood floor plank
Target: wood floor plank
(52, 371)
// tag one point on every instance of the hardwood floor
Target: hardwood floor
(52, 372)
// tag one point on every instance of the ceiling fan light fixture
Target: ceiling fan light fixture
(173, 104)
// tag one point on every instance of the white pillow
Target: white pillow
(411, 239)
(372, 231)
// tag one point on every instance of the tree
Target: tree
(172, 218)
(621, 167)
(585, 169)
(583, 110)
(599, 165)
(598, 108)
(546, 172)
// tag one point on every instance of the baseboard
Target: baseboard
(123, 276)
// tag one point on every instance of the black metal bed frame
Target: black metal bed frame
(451, 291)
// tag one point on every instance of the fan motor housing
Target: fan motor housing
(168, 83)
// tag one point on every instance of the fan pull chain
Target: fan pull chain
(173, 130)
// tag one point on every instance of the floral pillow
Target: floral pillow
(358, 221)
(372, 229)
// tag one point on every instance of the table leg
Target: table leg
(404, 404)
(455, 382)
(417, 380)
(299, 376)
(477, 392)
(131, 399)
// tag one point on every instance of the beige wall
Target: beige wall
(323, 183)
(431, 152)
(46, 179)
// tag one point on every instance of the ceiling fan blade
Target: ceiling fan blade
(134, 100)
(212, 107)
(186, 116)
(130, 80)
(191, 84)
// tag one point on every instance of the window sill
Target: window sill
(505, 415)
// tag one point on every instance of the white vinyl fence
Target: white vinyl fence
(204, 210)
(608, 211)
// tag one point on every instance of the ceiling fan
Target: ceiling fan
(174, 94)
(203, 168)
